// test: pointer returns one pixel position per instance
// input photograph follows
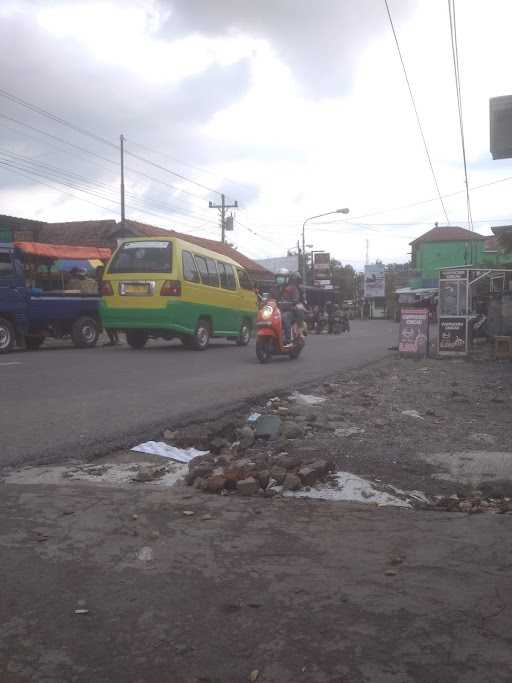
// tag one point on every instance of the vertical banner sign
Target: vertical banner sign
(413, 335)
(452, 335)
(374, 281)
(322, 269)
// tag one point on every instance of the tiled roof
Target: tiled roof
(150, 230)
(94, 233)
(448, 233)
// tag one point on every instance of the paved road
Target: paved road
(62, 402)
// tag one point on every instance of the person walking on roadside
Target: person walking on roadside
(113, 335)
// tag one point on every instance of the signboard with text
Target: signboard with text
(374, 281)
(413, 335)
(453, 335)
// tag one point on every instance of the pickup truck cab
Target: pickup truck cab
(33, 308)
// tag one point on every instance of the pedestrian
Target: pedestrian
(113, 335)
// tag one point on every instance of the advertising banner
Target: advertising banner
(413, 335)
(452, 335)
(374, 281)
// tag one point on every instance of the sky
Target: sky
(292, 108)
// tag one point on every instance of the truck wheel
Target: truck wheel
(136, 338)
(201, 337)
(85, 332)
(34, 341)
(245, 334)
(6, 336)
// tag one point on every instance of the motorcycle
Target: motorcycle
(321, 323)
(270, 334)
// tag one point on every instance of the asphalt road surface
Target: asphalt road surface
(60, 402)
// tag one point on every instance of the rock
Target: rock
(154, 535)
(282, 410)
(248, 487)
(308, 475)
(431, 412)
(465, 506)
(145, 554)
(200, 483)
(278, 473)
(292, 482)
(268, 427)
(205, 518)
(218, 443)
(330, 388)
(288, 462)
(253, 676)
(349, 431)
(215, 483)
(149, 473)
(323, 467)
(197, 436)
(135, 517)
(264, 478)
(198, 470)
(292, 430)
(188, 513)
(390, 572)
(246, 437)
(169, 435)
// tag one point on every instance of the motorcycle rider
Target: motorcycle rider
(287, 294)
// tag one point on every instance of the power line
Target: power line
(83, 131)
(192, 166)
(83, 150)
(102, 187)
(420, 127)
(456, 69)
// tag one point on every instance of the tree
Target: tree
(344, 280)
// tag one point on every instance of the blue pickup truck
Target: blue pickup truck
(29, 314)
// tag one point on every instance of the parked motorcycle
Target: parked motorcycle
(270, 334)
(321, 323)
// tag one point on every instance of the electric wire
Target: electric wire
(413, 101)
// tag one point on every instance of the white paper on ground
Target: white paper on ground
(253, 417)
(306, 399)
(166, 451)
(351, 488)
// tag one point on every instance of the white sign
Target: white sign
(374, 281)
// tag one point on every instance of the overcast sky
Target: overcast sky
(291, 107)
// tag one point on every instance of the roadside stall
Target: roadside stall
(40, 300)
(473, 301)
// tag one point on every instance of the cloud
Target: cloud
(320, 41)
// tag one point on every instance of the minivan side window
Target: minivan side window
(203, 269)
(227, 275)
(213, 275)
(244, 280)
(189, 268)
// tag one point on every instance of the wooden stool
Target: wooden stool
(503, 348)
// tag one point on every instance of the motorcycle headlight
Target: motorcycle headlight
(266, 312)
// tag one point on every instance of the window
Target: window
(202, 268)
(227, 275)
(6, 267)
(244, 280)
(151, 256)
(213, 275)
(189, 268)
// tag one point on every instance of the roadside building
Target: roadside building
(108, 233)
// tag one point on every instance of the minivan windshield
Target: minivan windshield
(152, 256)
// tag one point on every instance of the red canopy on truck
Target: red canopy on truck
(63, 251)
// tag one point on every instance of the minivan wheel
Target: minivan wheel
(6, 336)
(136, 338)
(245, 334)
(201, 337)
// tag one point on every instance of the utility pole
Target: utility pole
(222, 209)
(122, 139)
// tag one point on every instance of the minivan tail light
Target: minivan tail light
(106, 289)
(171, 288)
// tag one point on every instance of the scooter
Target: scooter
(270, 334)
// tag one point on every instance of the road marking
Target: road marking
(15, 362)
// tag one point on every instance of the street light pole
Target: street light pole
(320, 215)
